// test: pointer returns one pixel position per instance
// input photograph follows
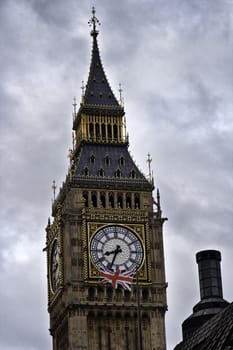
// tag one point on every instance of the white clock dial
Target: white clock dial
(116, 247)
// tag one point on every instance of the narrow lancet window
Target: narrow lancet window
(111, 200)
(107, 160)
(122, 161)
(92, 159)
(85, 196)
(94, 199)
(118, 173)
(101, 172)
(115, 133)
(137, 201)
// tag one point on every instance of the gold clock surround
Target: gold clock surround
(54, 270)
(91, 272)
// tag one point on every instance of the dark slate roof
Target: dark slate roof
(215, 334)
(98, 90)
(109, 158)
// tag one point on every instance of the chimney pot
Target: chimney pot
(209, 273)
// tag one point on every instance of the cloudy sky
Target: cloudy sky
(174, 59)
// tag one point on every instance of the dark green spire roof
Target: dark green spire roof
(98, 90)
(98, 98)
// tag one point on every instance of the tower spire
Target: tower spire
(98, 91)
(115, 232)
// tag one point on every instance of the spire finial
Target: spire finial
(54, 187)
(149, 160)
(92, 22)
(121, 97)
(74, 105)
(82, 87)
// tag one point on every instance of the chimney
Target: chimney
(210, 291)
(209, 273)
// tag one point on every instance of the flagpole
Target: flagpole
(139, 321)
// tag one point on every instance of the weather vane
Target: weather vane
(93, 21)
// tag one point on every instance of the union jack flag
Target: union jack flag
(116, 278)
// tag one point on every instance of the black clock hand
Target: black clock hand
(109, 253)
(117, 250)
(112, 251)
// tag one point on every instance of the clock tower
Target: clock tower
(106, 275)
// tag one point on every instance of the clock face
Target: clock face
(54, 267)
(116, 247)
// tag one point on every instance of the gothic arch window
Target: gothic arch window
(122, 161)
(109, 131)
(97, 131)
(128, 201)
(103, 131)
(91, 293)
(120, 200)
(111, 200)
(85, 196)
(109, 293)
(137, 201)
(103, 199)
(101, 172)
(86, 171)
(118, 297)
(119, 133)
(107, 160)
(94, 199)
(91, 130)
(118, 173)
(92, 159)
(145, 294)
(100, 292)
(127, 294)
(133, 174)
(115, 132)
